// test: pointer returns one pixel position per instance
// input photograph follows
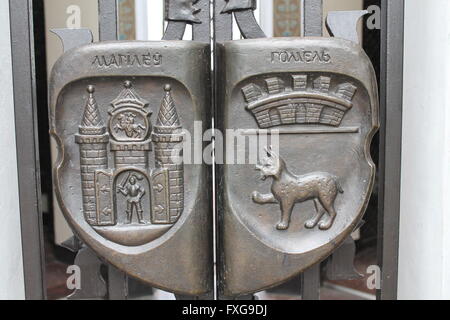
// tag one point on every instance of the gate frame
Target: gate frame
(391, 110)
(25, 105)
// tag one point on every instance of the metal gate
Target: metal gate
(260, 92)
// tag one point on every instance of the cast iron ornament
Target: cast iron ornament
(307, 196)
(118, 111)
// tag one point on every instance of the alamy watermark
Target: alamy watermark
(74, 280)
(73, 17)
(374, 279)
(374, 18)
(234, 146)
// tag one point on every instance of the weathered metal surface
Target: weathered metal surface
(243, 11)
(117, 113)
(310, 283)
(223, 23)
(175, 30)
(248, 25)
(321, 95)
(312, 18)
(202, 31)
(181, 10)
(179, 13)
(108, 17)
(234, 5)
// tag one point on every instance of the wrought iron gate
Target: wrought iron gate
(258, 100)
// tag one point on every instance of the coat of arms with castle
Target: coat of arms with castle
(120, 191)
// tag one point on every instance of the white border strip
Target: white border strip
(12, 285)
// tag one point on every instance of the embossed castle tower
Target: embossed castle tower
(109, 193)
(130, 129)
(167, 138)
(305, 101)
(93, 140)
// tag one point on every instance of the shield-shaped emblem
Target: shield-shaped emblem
(309, 193)
(118, 114)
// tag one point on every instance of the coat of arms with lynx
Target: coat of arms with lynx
(289, 189)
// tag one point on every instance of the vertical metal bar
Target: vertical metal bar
(313, 27)
(175, 30)
(223, 22)
(313, 18)
(390, 145)
(202, 31)
(24, 81)
(108, 16)
(310, 283)
(223, 31)
(107, 10)
(117, 284)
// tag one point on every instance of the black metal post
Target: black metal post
(24, 81)
(390, 145)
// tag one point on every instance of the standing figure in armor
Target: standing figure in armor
(134, 193)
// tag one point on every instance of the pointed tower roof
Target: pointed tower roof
(168, 116)
(91, 116)
(92, 122)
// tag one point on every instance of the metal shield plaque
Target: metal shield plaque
(119, 114)
(301, 200)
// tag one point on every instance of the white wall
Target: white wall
(424, 266)
(11, 267)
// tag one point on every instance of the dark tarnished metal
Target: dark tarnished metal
(118, 111)
(181, 10)
(108, 16)
(248, 25)
(92, 285)
(312, 18)
(310, 283)
(179, 13)
(26, 123)
(390, 145)
(321, 95)
(223, 23)
(234, 5)
(245, 18)
(202, 31)
(340, 266)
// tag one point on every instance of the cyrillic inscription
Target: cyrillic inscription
(128, 60)
(301, 56)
